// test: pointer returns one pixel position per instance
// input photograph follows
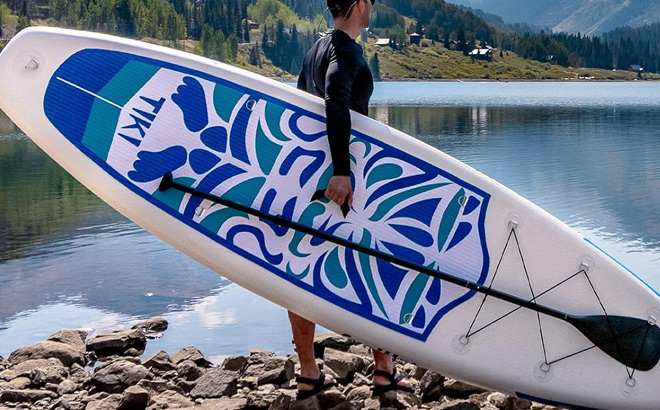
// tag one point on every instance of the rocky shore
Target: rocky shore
(68, 371)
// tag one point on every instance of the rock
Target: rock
(225, 404)
(171, 400)
(277, 370)
(286, 400)
(160, 361)
(193, 354)
(399, 400)
(431, 386)
(134, 398)
(158, 386)
(457, 389)
(19, 383)
(152, 327)
(118, 343)
(359, 394)
(258, 356)
(519, 404)
(73, 338)
(66, 387)
(216, 383)
(499, 400)
(347, 405)
(332, 341)
(50, 374)
(116, 376)
(371, 404)
(344, 364)
(79, 375)
(25, 396)
(46, 350)
(330, 398)
(260, 400)
(457, 405)
(109, 403)
(360, 379)
(361, 350)
(189, 370)
(234, 363)
(52, 368)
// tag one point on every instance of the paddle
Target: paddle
(632, 341)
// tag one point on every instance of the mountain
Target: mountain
(591, 17)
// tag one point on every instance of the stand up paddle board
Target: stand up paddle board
(434, 262)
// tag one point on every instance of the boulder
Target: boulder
(134, 398)
(25, 396)
(257, 400)
(500, 400)
(332, 341)
(216, 383)
(344, 364)
(431, 386)
(152, 326)
(225, 403)
(276, 370)
(193, 354)
(234, 363)
(159, 361)
(79, 375)
(399, 400)
(158, 386)
(118, 343)
(457, 405)
(116, 376)
(170, 399)
(23, 369)
(66, 387)
(189, 370)
(457, 389)
(73, 338)
(109, 403)
(46, 350)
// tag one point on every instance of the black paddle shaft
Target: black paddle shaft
(603, 331)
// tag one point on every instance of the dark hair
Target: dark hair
(340, 8)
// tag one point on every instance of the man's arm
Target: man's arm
(338, 87)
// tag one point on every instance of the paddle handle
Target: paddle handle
(168, 182)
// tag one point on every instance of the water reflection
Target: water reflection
(587, 155)
(595, 168)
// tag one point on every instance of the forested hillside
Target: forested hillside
(272, 35)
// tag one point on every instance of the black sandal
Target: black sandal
(394, 378)
(318, 384)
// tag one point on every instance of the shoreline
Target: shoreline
(66, 372)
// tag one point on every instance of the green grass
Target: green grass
(434, 62)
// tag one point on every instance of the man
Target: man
(335, 69)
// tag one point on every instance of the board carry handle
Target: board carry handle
(632, 341)
(320, 194)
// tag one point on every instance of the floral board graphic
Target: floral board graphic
(140, 118)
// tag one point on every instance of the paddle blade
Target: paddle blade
(631, 341)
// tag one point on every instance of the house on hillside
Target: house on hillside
(382, 42)
(415, 38)
(485, 54)
(635, 68)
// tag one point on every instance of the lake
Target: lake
(586, 152)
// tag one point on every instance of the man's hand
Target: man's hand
(340, 190)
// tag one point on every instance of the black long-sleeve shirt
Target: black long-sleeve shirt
(336, 70)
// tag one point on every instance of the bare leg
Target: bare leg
(303, 338)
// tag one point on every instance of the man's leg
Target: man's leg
(303, 338)
(385, 363)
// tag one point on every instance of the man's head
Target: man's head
(344, 8)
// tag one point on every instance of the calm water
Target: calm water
(586, 152)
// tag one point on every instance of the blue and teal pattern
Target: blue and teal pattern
(138, 118)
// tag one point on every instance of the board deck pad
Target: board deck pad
(139, 118)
